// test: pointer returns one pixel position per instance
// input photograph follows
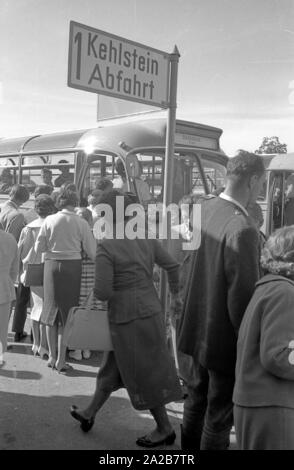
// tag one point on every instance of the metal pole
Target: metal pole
(170, 130)
(169, 171)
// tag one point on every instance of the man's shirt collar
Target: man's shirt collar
(233, 201)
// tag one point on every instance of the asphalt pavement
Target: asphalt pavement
(35, 402)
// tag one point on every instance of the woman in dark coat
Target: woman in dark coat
(140, 361)
(264, 388)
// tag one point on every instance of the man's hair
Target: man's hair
(46, 171)
(19, 193)
(103, 184)
(69, 185)
(43, 189)
(110, 198)
(67, 197)
(244, 165)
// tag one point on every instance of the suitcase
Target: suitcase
(87, 327)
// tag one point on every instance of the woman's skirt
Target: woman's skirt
(142, 363)
(62, 280)
(264, 428)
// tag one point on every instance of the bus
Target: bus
(139, 142)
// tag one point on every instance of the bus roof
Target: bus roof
(60, 140)
(139, 133)
(283, 161)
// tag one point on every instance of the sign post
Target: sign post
(106, 64)
(168, 172)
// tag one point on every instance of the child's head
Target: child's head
(278, 253)
(94, 197)
(85, 214)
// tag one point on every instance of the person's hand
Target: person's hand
(176, 306)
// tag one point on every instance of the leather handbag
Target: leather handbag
(34, 275)
(87, 327)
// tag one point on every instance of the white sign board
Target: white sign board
(105, 64)
(196, 141)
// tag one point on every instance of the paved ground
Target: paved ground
(35, 401)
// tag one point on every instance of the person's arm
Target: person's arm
(169, 264)
(21, 247)
(277, 335)
(16, 225)
(41, 242)
(15, 264)
(88, 240)
(103, 288)
(241, 260)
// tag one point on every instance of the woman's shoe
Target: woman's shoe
(86, 424)
(51, 363)
(146, 442)
(43, 352)
(35, 350)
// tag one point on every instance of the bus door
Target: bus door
(187, 169)
(95, 166)
(281, 200)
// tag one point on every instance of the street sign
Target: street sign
(105, 64)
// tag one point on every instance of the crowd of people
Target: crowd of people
(231, 303)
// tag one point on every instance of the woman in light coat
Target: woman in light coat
(44, 206)
(62, 238)
(8, 273)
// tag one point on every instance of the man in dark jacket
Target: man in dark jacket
(223, 273)
(13, 221)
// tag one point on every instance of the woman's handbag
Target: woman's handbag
(87, 327)
(34, 274)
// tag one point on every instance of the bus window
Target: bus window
(97, 166)
(187, 174)
(60, 170)
(277, 207)
(289, 199)
(8, 174)
(215, 174)
(151, 173)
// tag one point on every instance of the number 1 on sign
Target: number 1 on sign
(78, 39)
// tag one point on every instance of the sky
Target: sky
(236, 67)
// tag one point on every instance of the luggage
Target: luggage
(34, 275)
(87, 327)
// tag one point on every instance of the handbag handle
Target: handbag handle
(93, 303)
(89, 301)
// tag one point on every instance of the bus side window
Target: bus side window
(289, 199)
(277, 206)
(8, 174)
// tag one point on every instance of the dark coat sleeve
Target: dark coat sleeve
(103, 288)
(277, 335)
(241, 260)
(169, 264)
